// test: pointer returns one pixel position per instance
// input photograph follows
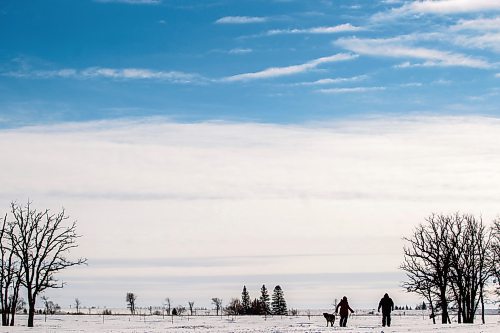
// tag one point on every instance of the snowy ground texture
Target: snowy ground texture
(138, 324)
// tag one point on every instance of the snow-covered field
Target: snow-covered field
(136, 324)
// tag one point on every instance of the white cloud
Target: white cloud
(497, 75)
(333, 81)
(395, 48)
(153, 189)
(479, 33)
(347, 27)
(442, 82)
(350, 90)
(136, 73)
(156, 162)
(489, 41)
(240, 51)
(109, 73)
(290, 70)
(241, 20)
(411, 84)
(478, 24)
(439, 7)
(451, 6)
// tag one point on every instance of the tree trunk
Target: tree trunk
(12, 315)
(432, 312)
(459, 312)
(15, 298)
(444, 316)
(482, 304)
(468, 309)
(31, 311)
(5, 309)
(444, 308)
(464, 310)
(459, 303)
(5, 317)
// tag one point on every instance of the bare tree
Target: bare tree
(234, 307)
(217, 302)
(168, 305)
(77, 305)
(180, 310)
(427, 262)
(471, 245)
(10, 274)
(42, 242)
(495, 257)
(191, 305)
(130, 298)
(450, 260)
(50, 307)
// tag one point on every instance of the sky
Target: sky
(207, 145)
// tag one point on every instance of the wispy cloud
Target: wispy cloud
(411, 84)
(240, 51)
(347, 27)
(439, 7)
(290, 70)
(480, 24)
(241, 19)
(328, 81)
(350, 90)
(489, 41)
(395, 48)
(132, 2)
(450, 6)
(109, 73)
(479, 33)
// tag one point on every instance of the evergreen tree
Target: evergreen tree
(424, 306)
(264, 299)
(278, 302)
(245, 300)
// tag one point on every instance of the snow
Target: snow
(241, 324)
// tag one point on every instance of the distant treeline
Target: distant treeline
(264, 305)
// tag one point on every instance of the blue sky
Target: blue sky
(187, 60)
(204, 145)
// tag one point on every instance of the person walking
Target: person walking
(387, 306)
(344, 311)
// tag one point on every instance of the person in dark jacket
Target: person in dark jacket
(344, 311)
(387, 306)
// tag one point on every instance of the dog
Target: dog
(330, 318)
